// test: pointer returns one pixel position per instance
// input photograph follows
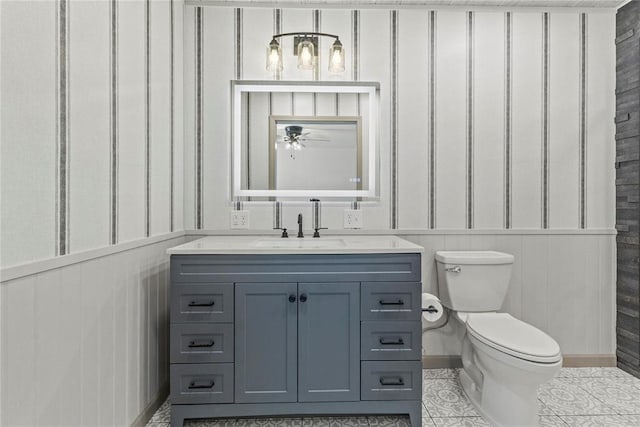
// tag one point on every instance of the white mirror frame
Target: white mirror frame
(372, 89)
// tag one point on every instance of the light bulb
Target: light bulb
(274, 56)
(306, 54)
(336, 58)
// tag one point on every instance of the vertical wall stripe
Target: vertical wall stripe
(147, 114)
(62, 130)
(432, 119)
(507, 119)
(355, 52)
(113, 223)
(469, 148)
(394, 119)
(355, 45)
(545, 120)
(172, 122)
(198, 117)
(583, 120)
(248, 131)
(316, 18)
(237, 28)
(277, 29)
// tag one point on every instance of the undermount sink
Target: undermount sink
(277, 243)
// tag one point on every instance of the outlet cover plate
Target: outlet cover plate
(239, 219)
(352, 218)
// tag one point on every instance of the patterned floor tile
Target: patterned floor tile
(616, 392)
(544, 409)
(460, 422)
(551, 421)
(154, 424)
(445, 398)
(439, 373)
(212, 422)
(268, 422)
(601, 421)
(163, 414)
(425, 413)
(428, 422)
(335, 422)
(580, 372)
(385, 421)
(566, 398)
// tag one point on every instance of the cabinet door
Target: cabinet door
(328, 342)
(266, 342)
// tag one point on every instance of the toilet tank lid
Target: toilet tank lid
(474, 257)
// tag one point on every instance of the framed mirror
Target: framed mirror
(305, 139)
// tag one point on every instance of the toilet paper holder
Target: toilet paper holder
(430, 309)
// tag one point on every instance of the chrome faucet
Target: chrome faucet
(300, 225)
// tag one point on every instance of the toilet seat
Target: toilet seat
(509, 335)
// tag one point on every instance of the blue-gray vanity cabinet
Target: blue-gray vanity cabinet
(328, 342)
(295, 335)
(266, 338)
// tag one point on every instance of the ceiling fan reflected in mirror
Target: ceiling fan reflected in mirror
(294, 137)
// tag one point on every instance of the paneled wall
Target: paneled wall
(91, 115)
(495, 119)
(86, 344)
(628, 184)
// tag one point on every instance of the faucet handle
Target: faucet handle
(316, 232)
(284, 232)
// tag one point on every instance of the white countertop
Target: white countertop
(293, 245)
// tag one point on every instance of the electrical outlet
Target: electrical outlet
(352, 218)
(239, 219)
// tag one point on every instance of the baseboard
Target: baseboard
(152, 407)
(589, 360)
(438, 362)
(568, 361)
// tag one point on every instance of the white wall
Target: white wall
(74, 174)
(500, 160)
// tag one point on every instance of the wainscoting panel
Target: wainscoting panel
(86, 344)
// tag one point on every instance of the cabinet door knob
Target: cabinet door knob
(303, 297)
(292, 298)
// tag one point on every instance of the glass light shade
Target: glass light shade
(306, 55)
(274, 56)
(336, 58)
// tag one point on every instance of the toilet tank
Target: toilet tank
(473, 281)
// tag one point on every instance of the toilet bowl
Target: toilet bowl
(504, 359)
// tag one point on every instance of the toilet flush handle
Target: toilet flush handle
(454, 269)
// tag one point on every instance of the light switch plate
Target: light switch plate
(352, 218)
(239, 219)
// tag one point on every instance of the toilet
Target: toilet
(504, 359)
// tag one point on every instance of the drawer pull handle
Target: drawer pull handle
(201, 384)
(201, 343)
(391, 381)
(391, 341)
(201, 304)
(391, 302)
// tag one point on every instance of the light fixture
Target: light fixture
(306, 49)
(274, 56)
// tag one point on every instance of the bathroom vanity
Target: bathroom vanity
(291, 327)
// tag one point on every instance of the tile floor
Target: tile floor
(576, 397)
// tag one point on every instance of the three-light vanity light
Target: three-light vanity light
(306, 49)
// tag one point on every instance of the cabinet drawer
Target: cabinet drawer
(392, 340)
(391, 380)
(203, 383)
(201, 343)
(202, 303)
(391, 301)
